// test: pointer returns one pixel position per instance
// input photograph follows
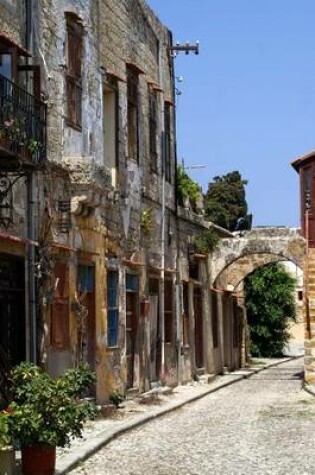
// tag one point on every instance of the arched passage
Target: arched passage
(240, 255)
(232, 276)
(235, 258)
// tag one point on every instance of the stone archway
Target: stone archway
(233, 275)
(235, 258)
(259, 246)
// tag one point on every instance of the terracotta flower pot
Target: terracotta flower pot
(39, 460)
(7, 461)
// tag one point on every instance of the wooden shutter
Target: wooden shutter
(112, 308)
(60, 307)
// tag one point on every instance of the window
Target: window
(86, 278)
(112, 308)
(300, 295)
(307, 187)
(167, 142)
(110, 112)
(13, 68)
(168, 310)
(74, 71)
(132, 113)
(132, 283)
(153, 130)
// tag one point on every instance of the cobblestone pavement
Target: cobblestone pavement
(261, 425)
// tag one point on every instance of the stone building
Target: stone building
(22, 156)
(111, 273)
(304, 166)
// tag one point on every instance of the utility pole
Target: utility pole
(174, 50)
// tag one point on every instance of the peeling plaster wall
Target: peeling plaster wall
(65, 141)
(129, 32)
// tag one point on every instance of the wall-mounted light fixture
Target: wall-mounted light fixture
(185, 48)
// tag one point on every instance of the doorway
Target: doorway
(132, 312)
(86, 332)
(12, 309)
(155, 354)
(198, 327)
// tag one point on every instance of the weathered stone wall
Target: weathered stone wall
(12, 20)
(50, 41)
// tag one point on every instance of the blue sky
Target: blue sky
(248, 99)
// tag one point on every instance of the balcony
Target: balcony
(22, 127)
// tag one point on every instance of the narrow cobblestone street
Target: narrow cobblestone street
(262, 425)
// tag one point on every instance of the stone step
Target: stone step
(132, 393)
(206, 378)
(200, 371)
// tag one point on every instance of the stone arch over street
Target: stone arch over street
(233, 275)
(234, 258)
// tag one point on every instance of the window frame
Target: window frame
(110, 88)
(167, 142)
(133, 113)
(153, 129)
(74, 71)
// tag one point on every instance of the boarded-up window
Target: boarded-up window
(59, 334)
(74, 71)
(153, 130)
(214, 319)
(168, 310)
(167, 142)
(112, 308)
(132, 113)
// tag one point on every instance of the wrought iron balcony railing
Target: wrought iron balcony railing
(22, 125)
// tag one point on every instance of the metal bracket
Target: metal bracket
(7, 182)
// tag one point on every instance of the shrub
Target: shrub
(47, 411)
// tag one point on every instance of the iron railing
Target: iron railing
(22, 124)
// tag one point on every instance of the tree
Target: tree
(270, 306)
(225, 202)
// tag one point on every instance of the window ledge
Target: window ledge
(78, 128)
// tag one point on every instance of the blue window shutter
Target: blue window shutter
(112, 332)
(112, 308)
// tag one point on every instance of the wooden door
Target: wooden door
(86, 337)
(131, 334)
(153, 336)
(198, 328)
(59, 324)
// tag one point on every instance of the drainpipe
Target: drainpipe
(31, 287)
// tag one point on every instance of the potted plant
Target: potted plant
(7, 454)
(188, 190)
(47, 413)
